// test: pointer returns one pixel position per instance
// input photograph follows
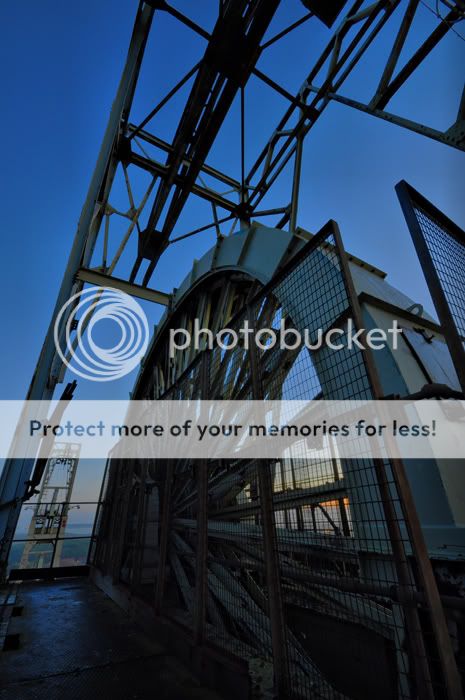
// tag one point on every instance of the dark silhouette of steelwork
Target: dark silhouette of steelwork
(231, 547)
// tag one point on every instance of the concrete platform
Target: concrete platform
(74, 643)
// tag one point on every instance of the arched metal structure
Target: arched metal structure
(168, 526)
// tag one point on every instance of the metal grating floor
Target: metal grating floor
(75, 643)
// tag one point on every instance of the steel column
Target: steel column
(201, 571)
(17, 472)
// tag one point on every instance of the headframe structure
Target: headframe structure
(178, 171)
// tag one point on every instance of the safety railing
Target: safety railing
(53, 535)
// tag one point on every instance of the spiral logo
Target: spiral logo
(75, 329)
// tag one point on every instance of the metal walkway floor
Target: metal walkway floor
(75, 643)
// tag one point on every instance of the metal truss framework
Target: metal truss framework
(50, 512)
(232, 51)
(218, 78)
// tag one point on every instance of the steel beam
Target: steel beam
(168, 148)
(241, 28)
(17, 472)
(339, 68)
(422, 52)
(156, 168)
(101, 280)
(448, 137)
(412, 523)
(291, 498)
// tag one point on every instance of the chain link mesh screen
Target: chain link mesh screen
(324, 603)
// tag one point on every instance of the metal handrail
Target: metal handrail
(61, 512)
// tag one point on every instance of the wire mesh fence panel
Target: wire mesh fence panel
(330, 526)
(308, 567)
(440, 245)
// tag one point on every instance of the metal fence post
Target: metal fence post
(92, 553)
(57, 536)
(164, 538)
(270, 543)
(201, 573)
(139, 537)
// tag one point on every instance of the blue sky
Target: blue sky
(60, 67)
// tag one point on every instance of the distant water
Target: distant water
(74, 551)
